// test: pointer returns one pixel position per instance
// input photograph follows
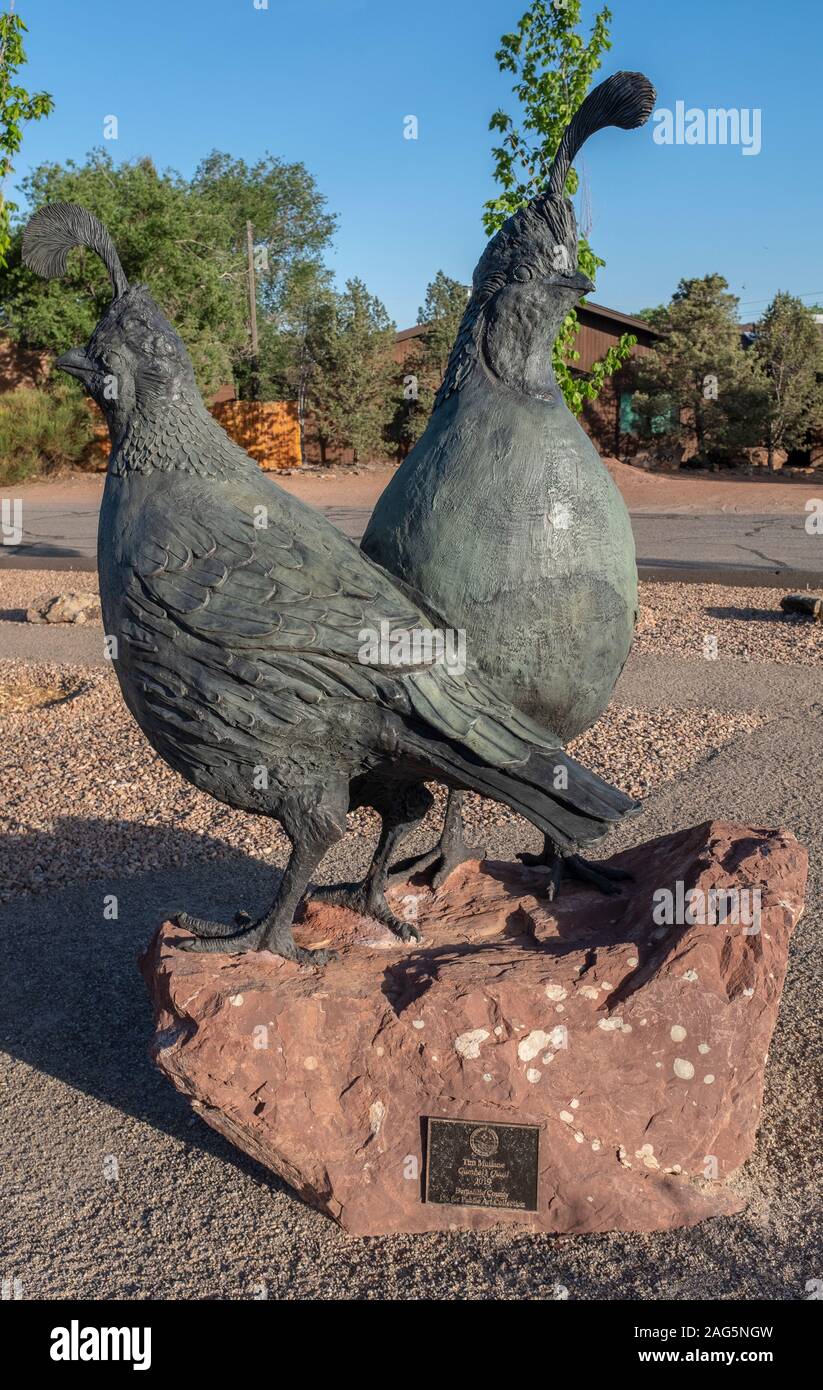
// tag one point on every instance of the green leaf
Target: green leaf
(553, 65)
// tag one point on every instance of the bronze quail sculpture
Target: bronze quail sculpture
(239, 615)
(503, 514)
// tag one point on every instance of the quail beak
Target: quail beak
(571, 280)
(580, 282)
(76, 363)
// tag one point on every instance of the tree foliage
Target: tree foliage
(353, 376)
(17, 106)
(185, 239)
(787, 347)
(291, 230)
(42, 431)
(553, 65)
(425, 364)
(698, 373)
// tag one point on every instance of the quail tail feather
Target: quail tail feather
(570, 804)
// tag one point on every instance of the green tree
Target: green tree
(291, 229)
(553, 65)
(185, 240)
(167, 239)
(787, 346)
(425, 363)
(291, 340)
(17, 106)
(353, 380)
(442, 312)
(42, 431)
(698, 374)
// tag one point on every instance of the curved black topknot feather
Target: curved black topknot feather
(625, 99)
(56, 229)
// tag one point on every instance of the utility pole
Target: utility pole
(254, 382)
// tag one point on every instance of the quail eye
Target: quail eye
(522, 272)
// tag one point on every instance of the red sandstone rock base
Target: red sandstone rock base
(638, 1048)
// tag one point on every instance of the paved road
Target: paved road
(728, 548)
(724, 548)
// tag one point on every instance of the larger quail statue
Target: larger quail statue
(240, 616)
(503, 514)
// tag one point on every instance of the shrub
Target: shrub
(42, 431)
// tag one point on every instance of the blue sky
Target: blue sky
(330, 81)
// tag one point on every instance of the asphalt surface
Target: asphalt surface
(731, 548)
(112, 1188)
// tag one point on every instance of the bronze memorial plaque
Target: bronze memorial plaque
(474, 1163)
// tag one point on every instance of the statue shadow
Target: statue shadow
(47, 550)
(74, 1004)
(585, 921)
(756, 615)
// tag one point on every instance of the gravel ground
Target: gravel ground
(19, 587)
(52, 833)
(748, 625)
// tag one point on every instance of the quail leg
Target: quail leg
(217, 937)
(368, 898)
(202, 926)
(450, 851)
(600, 876)
(273, 931)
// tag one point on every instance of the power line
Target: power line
(807, 294)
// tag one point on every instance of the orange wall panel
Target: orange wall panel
(268, 430)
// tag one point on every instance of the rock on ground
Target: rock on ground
(72, 606)
(637, 1045)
